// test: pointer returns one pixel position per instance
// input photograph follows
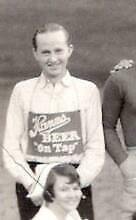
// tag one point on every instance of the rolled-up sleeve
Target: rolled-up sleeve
(94, 149)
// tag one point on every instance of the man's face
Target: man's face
(52, 53)
(66, 195)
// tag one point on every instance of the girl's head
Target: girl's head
(63, 187)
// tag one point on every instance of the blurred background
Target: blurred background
(103, 32)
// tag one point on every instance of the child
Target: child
(61, 195)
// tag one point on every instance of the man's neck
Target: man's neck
(53, 79)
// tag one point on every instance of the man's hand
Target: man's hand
(123, 64)
(128, 167)
(35, 196)
(36, 199)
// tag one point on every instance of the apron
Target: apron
(54, 137)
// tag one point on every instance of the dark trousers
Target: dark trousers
(27, 209)
(134, 216)
(85, 207)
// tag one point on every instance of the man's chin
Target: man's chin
(54, 75)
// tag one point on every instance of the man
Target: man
(53, 118)
(119, 102)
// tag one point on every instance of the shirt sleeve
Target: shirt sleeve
(112, 104)
(94, 153)
(13, 156)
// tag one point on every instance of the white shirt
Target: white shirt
(46, 213)
(39, 95)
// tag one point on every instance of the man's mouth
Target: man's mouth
(52, 65)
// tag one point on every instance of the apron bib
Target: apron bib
(54, 135)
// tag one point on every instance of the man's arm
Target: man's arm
(94, 149)
(13, 155)
(112, 104)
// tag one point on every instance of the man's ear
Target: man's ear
(34, 53)
(71, 48)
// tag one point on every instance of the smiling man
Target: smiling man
(52, 53)
(53, 118)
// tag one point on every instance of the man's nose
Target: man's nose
(53, 57)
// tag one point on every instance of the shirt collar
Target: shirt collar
(65, 81)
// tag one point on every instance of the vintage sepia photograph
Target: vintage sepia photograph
(68, 110)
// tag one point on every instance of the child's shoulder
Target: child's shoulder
(74, 215)
(44, 213)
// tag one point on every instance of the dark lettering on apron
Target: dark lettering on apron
(54, 134)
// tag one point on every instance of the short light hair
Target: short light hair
(50, 27)
(65, 170)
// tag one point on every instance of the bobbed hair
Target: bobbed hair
(50, 27)
(65, 170)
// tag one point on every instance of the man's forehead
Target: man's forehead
(52, 36)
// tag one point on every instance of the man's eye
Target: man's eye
(46, 52)
(59, 50)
